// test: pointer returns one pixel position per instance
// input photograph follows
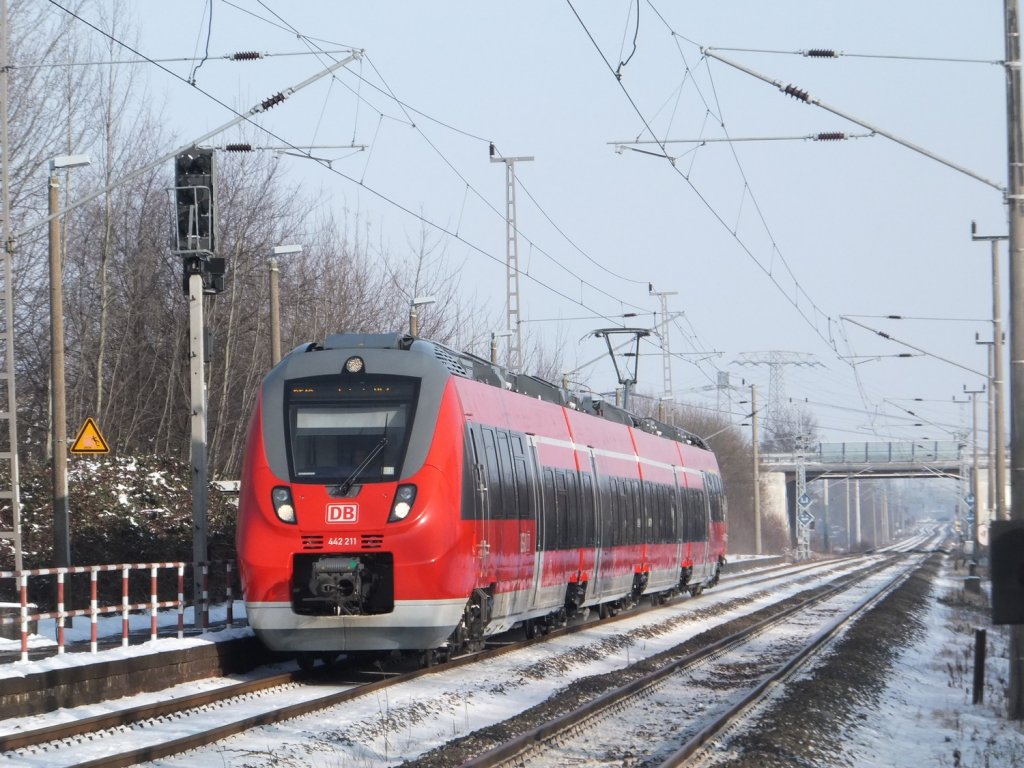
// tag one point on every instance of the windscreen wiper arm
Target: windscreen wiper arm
(347, 485)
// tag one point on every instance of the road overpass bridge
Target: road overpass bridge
(942, 458)
(866, 461)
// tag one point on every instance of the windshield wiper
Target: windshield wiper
(347, 485)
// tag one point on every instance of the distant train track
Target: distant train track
(691, 700)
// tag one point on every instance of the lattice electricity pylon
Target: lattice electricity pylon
(666, 350)
(776, 361)
(514, 357)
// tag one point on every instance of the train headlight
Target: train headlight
(402, 505)
(354, 365)
(281, 496)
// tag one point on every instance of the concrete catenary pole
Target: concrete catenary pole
(1015, 201)
(757, 469)
(9, 449)
(59, 464)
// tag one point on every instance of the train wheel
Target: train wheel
(530, 629)
(306, 661)
(329, 659)
(696, 589)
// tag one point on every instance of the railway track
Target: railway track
(669, 715)
(153, 731)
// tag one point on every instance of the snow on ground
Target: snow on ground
(925, 717)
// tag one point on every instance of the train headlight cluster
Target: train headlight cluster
(402, 505)
(354, 365)
(281, 496)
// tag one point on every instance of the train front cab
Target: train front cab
(348, 536)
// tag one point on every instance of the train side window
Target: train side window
(563, 514)
(493, 474)
(607, 505)
(717, 498)
(702, 516)
(657, 514)
(623, 510)
(667, 527)
(549, 513)
(588, 510)
(509, 502)
(575, 509)
(470, 496)
(520, 469)
(639, 516)
(689, 514)
(647, 506)
(660, 521)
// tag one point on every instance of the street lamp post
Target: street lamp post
(414, 315)
(58, 399)
(275, 299)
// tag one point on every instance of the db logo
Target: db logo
(342, 513)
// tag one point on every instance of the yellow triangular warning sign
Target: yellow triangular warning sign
(89, 439)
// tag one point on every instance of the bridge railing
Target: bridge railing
(924, 451)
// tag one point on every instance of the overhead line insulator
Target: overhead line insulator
(238, 147)
(245, 56)
(831, 136)
(273, 101)
(821, 53)
(796, 93)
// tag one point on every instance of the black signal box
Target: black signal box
(1006, 550)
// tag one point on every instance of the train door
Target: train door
(598, 512)
(702, 530)
(533, 563)
(482, 475)
(522, 516)
(679, 511)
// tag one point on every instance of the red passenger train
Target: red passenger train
(397, 495)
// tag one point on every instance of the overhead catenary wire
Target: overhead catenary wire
(239, 56)
(248, 117)
(831, 53)
(387, 91)
(810, 320)
(823, 136)
(795, 92)
(801, 95)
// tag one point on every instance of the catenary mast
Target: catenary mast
(1015, 202)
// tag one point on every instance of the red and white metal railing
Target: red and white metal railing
(153, 605)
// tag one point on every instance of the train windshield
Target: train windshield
(341, 429)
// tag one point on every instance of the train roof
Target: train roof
(469, 366)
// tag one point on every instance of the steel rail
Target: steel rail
(100, 722)
(814, 646)
(180, 706)
(519, 747)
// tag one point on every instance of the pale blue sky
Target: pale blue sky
(866, 227)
